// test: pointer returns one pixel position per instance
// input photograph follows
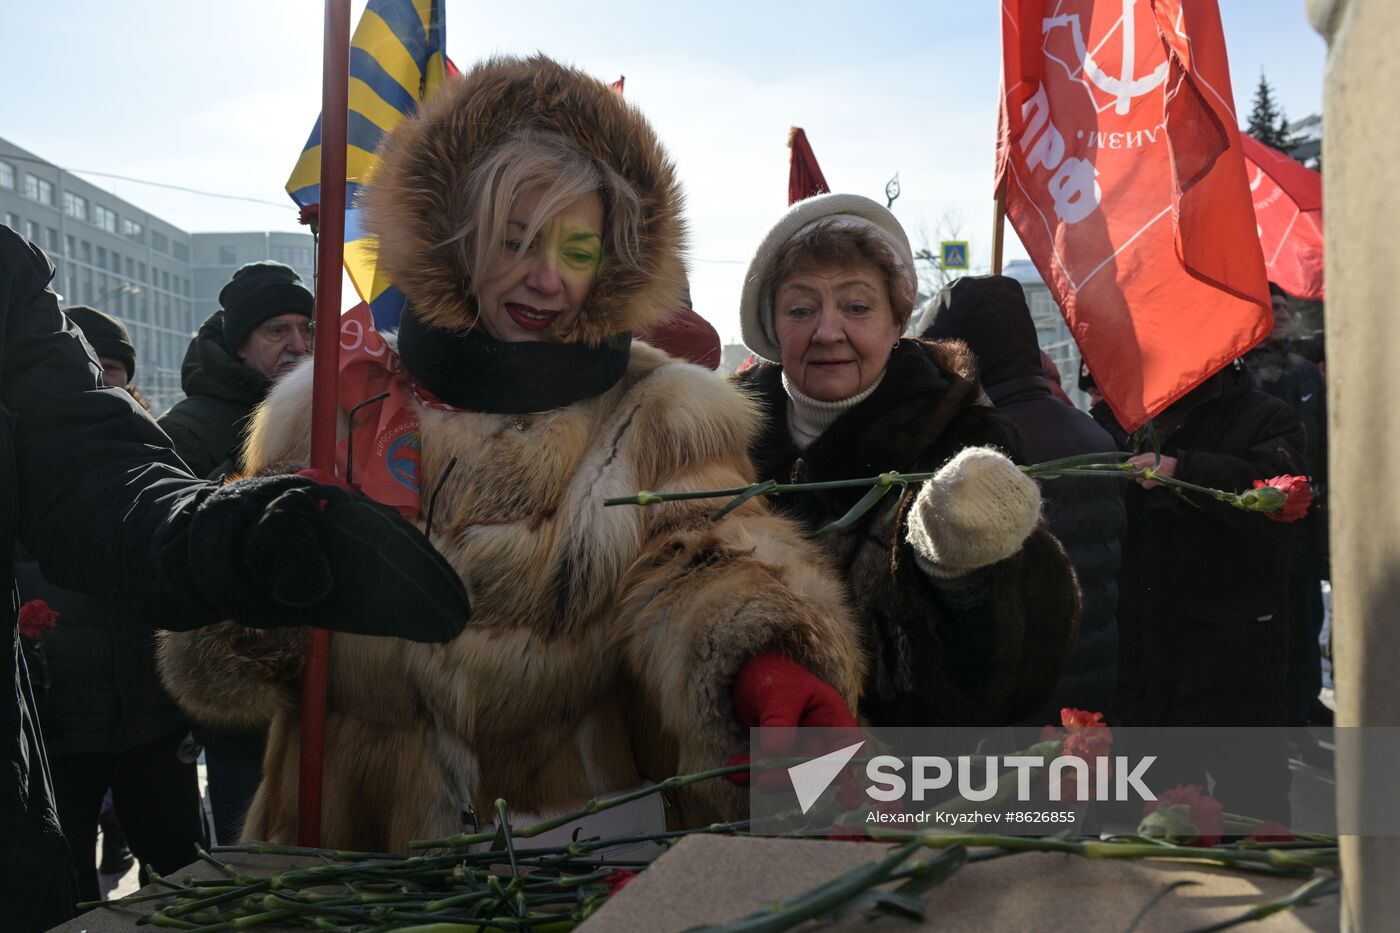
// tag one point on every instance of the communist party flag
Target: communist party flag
(1120, 156)
(1288, 210)
(804, 174)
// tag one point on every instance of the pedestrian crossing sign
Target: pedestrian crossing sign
(954, 254)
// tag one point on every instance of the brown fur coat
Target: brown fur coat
(604, 641)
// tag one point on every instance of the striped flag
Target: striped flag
(398, 59)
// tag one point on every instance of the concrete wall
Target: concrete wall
(1362, 191)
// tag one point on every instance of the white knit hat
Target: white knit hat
(756, 305)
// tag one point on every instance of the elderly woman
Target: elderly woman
(967, 604)
(533, 221)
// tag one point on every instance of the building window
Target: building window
(31, 232)
(37, 189)
(182, 251)
(228, 256)
(160, 241)
(7, 176)
(101, 258)
(104, 219)
(130, 268)
(165, 280)
(132, 229)
(52, 242)
(12, 221)
(75, 206)
(87, 252)
(141, 271)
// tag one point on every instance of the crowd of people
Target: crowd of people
(535, 224)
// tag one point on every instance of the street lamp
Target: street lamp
(125, 288)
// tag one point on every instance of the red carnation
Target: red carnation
(1073, 718)
(1088, 738)
(1299, 494)
(36, 618)
(1184, 814)
(619, 879)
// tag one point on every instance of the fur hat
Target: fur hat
(415, 203)
(258, 292)
(106, 335)
(756, 303)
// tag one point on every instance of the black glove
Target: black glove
(287, 551)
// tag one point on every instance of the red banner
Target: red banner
(1288, 210)
(1120, 156)
(804, 174)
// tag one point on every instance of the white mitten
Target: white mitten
(977, 510)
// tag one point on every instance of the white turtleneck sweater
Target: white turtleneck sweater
(808, 417)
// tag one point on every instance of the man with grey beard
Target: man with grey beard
(262, 330)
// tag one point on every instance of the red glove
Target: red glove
(774, 691)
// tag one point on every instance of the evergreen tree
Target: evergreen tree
(1285, 140)
(1266, 121)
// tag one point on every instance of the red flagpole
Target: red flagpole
(335, 94)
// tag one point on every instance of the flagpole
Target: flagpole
(998, 227)
(335, 93)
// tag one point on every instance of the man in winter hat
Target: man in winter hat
(262, 330)
(267, 317)
(109, 338)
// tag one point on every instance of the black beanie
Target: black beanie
(259, 292)
(106, 335)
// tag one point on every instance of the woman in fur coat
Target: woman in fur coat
(967, 604)
(534, 222)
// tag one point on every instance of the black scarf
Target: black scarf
(474, 370)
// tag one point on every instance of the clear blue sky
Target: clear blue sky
(220, 96)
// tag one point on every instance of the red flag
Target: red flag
(1124, 178)
(1288, 210)
(804, 174)
(617, 85)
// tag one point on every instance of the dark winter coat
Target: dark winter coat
(990, 315)
(930, 662)
(1298, 382)
(207, 426)
(73, 457)
(95, 680)
(1203, 594)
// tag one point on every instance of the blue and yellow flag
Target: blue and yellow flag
(398, 59)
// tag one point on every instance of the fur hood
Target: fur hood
(414, 203)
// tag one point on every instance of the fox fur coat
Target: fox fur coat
(604, 641)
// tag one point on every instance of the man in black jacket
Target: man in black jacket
(1298, 383)
(262, 329)
(178, 551)
(989, 313)
(1203, 593)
